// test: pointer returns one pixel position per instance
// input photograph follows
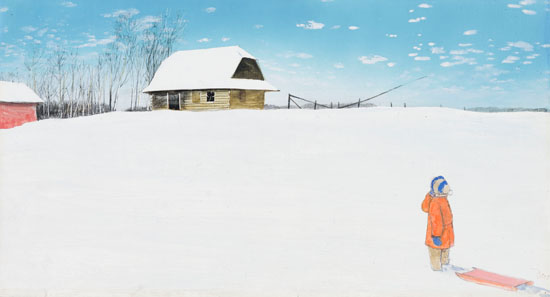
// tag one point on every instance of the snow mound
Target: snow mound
(269, 203)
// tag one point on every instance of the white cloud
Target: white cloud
(303, 56)
(258, 26)
(489, 68)
(327, 0)
(202, 40)
(475, 51)
(505, 49)
(514, 5)
(458, 52)
(413, 54)
(411, 10)
(353, 28)
(5, 29)
(372, 59)
(295, 65)
(527, 62)
(522, 44)
(417, 20)
(510, 60)
(68, 4)
(547, 45)
(438, 50)
(527, 2)
(210, 9)
(27, 37)
(225, 39)
(28, 29)
(417, 48)
(458, 60)
(422, 58)
(93, 42)
(41, 32)
(391, 64)
(3, 9)
(292, 54)
(121, 12)
(311, 25)
(424, 5)
(339, 66)
(147, 22)
(470, 32)
(529, 12)
(391, 35)
(464, 44)
(431, 43)
(336, 27)
(443, 57)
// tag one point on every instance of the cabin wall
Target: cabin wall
(223, 99)
(196, 100)
(247, 99)
(159, 101)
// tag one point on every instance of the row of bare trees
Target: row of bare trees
(74, 85)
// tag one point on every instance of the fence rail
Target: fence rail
(316, 105)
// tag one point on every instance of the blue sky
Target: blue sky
(475, 53)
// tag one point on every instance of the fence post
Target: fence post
(331, 105)
(338, 104)
(315, 105)
(359, 103)
(391, 104)
(288, 101)
(405, 104)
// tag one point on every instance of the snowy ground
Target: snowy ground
(270, 203)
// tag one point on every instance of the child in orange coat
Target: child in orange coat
(439, 234)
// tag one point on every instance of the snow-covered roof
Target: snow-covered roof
(17, 93)
(204, 69)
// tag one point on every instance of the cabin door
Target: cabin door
(174, 101)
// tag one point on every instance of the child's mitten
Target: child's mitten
(436, 240)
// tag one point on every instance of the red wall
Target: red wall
(15, 114)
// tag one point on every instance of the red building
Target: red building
(17, 104)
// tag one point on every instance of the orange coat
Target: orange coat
(440, 221)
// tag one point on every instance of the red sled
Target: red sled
(487, 278)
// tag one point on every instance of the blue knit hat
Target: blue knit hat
(439, 187)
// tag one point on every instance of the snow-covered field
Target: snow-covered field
(270, 203)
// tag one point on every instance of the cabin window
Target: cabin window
(210, 96)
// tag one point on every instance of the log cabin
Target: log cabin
(207, 79)
(17, 104)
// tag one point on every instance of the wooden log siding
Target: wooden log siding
(224, 99)
(159, 101)
(249, 69)
(196, 100)
(247, 99)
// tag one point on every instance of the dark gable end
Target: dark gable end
(249, 69)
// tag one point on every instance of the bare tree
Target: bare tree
(74, 87)
(158, 42)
